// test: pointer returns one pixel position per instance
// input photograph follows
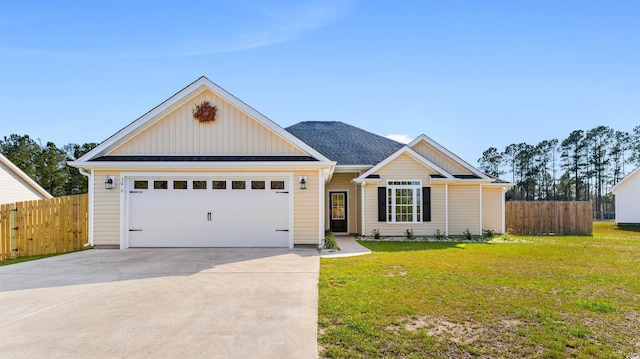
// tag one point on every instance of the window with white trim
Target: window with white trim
(404, 201)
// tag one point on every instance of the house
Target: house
(204, 169)
(17, 186)
(627, 193)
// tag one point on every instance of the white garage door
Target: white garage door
(208, 212)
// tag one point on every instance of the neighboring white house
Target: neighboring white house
(627, 194)
(16, 186)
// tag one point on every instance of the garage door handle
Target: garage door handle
(135, 230)
(209, 216)
(282, 230)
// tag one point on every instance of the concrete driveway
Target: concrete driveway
(162, 303)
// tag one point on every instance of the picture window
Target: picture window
(403, 201)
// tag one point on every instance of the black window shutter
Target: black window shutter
(426, 204)
(382, 204)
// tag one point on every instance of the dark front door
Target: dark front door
(338, 212)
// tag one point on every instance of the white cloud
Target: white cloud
(260, 26)
(400, 138)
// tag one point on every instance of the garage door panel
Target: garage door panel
(165, 220)
(221, 238)
(250, 220)
(208, 217)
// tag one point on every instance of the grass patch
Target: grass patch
(537, 296)
(596, 306)
(29, 258)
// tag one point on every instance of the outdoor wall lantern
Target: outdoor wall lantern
(303, 182)
(108, 184)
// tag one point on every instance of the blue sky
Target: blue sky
(468, 74)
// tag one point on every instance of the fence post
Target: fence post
(13, 229)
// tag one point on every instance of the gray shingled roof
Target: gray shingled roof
(345, 144)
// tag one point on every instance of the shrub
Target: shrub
(330, 241)
(376, 233)
(409, 234)
(489, 233)
(467, 234)
(439, 236)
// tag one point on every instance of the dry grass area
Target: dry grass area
(534, 296)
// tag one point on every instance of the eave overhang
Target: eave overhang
(201, 165)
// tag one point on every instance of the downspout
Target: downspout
(363, 210)
(504, 190)
(322, 198)
(446, 210)
(90, 214)
(481, 210)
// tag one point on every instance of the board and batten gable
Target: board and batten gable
(233, 132)
(437, 157)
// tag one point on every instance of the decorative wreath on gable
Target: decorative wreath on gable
(205, 112)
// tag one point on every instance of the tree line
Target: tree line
(47, 164)
(582, 167)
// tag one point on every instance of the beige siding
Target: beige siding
(15, 189)
(342, 182)
(106, 220)
(306, 209)
(441, 160)
(232, 133)
(464, 209)
(492, 208)
(405, 167)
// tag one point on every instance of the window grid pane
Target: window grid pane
(140, 185)
(179, 184)
(277, 184)
(257, 185)
(219, 185)
(199, 184)
(238, 184)
(160, 185)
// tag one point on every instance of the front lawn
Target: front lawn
(562, 296)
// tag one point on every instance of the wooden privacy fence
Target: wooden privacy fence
(46, 226)
(548, 217)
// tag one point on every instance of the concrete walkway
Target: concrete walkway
(162, 303)
(348, 248)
